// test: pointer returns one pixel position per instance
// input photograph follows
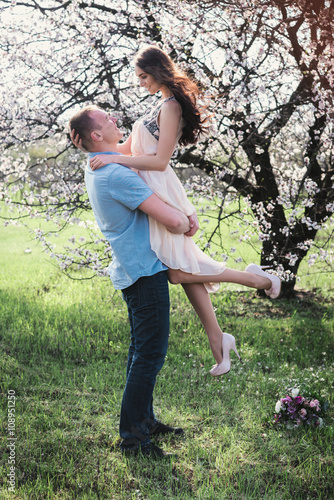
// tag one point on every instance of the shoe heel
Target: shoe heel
(236, 352)
(233, 346)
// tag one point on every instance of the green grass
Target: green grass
(63, 348)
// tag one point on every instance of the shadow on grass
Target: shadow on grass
(67, 365)
(76, 332)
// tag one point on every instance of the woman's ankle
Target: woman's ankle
(216, 348)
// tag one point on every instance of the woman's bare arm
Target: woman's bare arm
(170, 116)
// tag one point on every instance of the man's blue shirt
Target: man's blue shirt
(114, 193)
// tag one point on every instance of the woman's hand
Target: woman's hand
(75, 138)
(99, 161)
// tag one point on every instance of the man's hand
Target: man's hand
(75, 138)
(194, 225)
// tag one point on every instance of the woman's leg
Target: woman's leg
(227, 276)
(201, 302)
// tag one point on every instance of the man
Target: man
(121, 202)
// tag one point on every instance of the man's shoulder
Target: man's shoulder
(115, 176)
(117, 170)
(108, 170)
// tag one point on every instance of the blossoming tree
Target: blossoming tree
(266, 69)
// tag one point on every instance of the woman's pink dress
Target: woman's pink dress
(176, 251)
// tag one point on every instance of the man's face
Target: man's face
(106, 126)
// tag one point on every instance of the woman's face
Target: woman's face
(147, 81)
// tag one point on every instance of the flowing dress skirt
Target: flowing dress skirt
(176, 251)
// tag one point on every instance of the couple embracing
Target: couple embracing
(143, 211)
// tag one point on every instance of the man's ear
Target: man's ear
(96, 135)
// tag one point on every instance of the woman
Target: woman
(177, 117)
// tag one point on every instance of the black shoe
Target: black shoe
(146, 450)
(160, 429)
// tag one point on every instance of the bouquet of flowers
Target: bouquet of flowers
(295, 411)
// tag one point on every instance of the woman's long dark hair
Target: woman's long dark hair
(155, 62)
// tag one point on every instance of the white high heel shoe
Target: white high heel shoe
(228, 343)
(276, 283)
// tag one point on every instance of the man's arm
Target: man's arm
(172, 218)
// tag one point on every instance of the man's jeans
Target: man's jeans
(148, 308)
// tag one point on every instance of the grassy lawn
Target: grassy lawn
(63, 349)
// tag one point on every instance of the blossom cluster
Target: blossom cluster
(267, 179)
(295, 410)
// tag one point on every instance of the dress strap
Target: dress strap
(169, 99)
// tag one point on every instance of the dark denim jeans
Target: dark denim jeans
(148, 308)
